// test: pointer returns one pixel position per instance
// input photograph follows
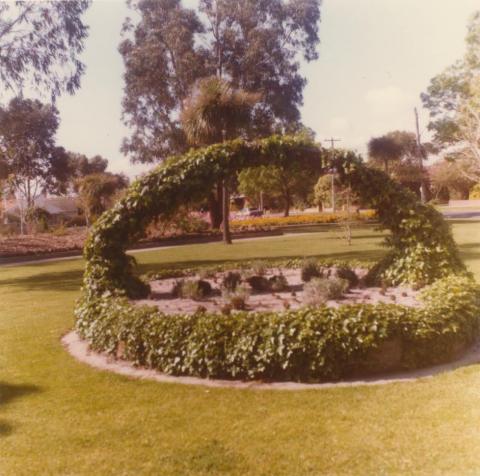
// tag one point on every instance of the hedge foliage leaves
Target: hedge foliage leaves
(307, 344)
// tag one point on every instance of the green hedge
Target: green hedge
(307, 344)
(421, 244)
(311, 344)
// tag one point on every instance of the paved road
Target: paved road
(458, 214)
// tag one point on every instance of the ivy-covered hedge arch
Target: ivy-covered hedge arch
(422, 247)
(421, 251)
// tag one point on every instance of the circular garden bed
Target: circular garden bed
(425, 309)
(320, 338)
(260, 288)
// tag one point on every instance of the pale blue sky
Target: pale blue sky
(376, 56)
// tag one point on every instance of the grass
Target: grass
(58, 416)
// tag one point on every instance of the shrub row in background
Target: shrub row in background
(311, 344)
(305, 219)
(259, 266)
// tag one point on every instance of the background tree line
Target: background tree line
(225, 70)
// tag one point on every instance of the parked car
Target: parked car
(250, 212)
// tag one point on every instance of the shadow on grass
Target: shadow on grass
(467, 246)
(469, 256)
(56, 281)
(5, 428)
(8, 393)
(460, 221)
(469, 251)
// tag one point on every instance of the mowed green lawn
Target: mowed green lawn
(58, 416)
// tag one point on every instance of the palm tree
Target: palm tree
(214, 112)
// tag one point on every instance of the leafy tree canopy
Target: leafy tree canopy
(97, 192)
(40, 42)
(468, 123)
(81, 165)
(384, 149)
(254, 44)
(398, 153)
(449, 90)
(449, 179)
(27, 147)
(287, 183)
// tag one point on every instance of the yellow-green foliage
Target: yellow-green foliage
(475, 192)
(305, 219)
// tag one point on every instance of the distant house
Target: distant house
(59, 208)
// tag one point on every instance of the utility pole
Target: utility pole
(420, 152)
(332, 147)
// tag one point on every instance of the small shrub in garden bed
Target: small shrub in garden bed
(238, 297)
(260, 267)
(249, 265)
(258, 283)
(192, 289)
(231, 280)
(319, 290)
(278, 283)
(349, 275)
(176, 291)
(310, 269)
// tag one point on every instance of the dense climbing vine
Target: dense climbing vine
(421, 246)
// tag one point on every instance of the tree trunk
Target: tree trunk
(288, 200)
(30, 207)
(423, 192)
(215, 207)
(227, 238)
